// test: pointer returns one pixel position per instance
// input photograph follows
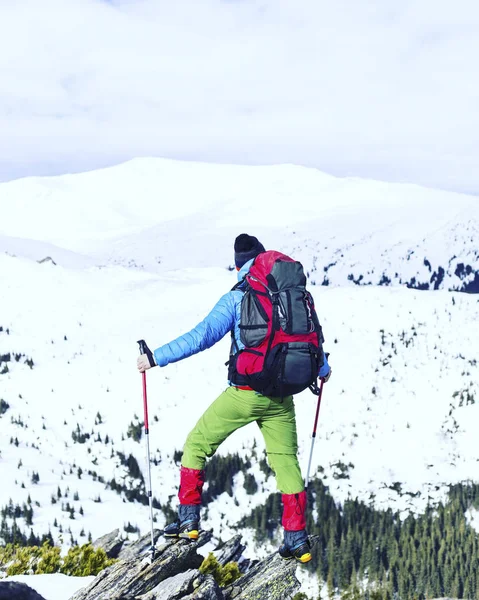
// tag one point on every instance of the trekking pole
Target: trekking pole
(320, 393)
(145, 350)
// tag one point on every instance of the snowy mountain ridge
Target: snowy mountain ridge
(142, 250)
(358, 231)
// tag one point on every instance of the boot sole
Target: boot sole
(190, 535)
(304, 558)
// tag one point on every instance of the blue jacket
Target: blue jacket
(224, 317)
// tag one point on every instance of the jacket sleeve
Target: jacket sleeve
(214, 327)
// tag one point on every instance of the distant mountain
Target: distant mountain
(161, 215)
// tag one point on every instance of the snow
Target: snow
(472, 516)
(142, 250)
(53, 587)
(118, 215)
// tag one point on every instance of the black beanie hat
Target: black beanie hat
(246, 248)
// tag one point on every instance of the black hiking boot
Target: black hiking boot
(187, 529)
(301, 552)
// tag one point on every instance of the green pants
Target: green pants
(235, 408)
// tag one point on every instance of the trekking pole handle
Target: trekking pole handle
(145, 350)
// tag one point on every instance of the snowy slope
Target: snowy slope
(156, 213)
(142, 250)
(53, 587)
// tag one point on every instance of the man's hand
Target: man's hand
(325, 371)
(325, 379)
(144, 362)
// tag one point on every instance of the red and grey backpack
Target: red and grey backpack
(279, 328)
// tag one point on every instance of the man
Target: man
(237, 406)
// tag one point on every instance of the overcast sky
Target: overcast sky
(382, 89)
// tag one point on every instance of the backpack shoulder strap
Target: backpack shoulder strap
(240, 286)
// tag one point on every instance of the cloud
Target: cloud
(369, 88)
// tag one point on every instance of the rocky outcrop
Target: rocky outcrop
(139, 548)
(111, 543)
(231, 551)
(270, 578)
(11, 590)
(46, 259)
(174, 574)
(135, 575)
(189, 585)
